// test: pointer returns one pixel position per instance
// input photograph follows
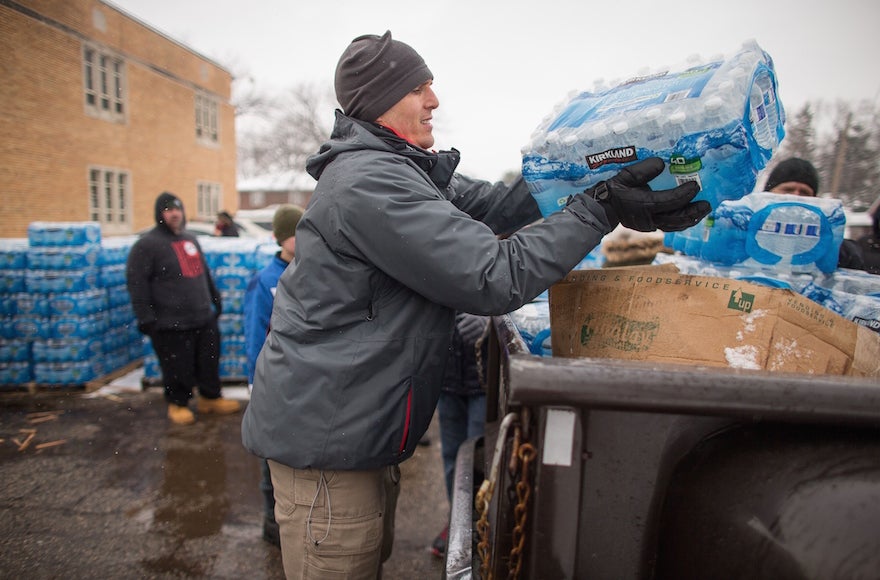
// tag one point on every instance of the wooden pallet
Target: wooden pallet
(89, 386)
(224, 382)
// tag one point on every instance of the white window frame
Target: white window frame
(209, 195)
(207, 125)
(110, 199)
(105, 94)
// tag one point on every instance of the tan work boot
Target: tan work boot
(180, 415)
(219, 406)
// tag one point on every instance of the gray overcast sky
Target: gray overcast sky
(501, 66)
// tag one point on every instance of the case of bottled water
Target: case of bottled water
(13, 253)
(775, 231)
(15, 373)
(715, 121)
(862, 309)
(63, 257)
(63, 233)
(12, 350)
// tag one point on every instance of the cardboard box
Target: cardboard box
(655, 313)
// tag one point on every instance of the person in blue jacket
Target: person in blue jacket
(393, 242)
(258, 299)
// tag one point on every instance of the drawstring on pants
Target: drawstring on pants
(322, 484)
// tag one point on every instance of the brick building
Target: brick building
(101, 113)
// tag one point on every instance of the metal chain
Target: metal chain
(478, 348)
(484, 498)
(526, 453)
(522, 455)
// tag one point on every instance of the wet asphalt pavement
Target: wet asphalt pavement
(101, 485)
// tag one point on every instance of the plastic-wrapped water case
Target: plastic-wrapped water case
(861, 309)
(29, 327)
(232, 278)
(231, 324)
(118, 295)
(233, 301)
(715, 121)
(55, 281)
(774, 231)
(68, 349)
(233, 367)
(13, 253)
(12, 281)
(67, 373)
(115, 250)
(112, 275)
(8, 304)
(532, 320)
(77, 326)
(13, 350)
(33, 304)
(15, 373)
(230, 252)
(233, 345)
(151, 367)
(77, 303)
(63, 233)
(63, 257)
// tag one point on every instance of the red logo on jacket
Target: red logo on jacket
(189, 257)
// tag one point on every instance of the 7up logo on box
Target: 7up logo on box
(739, 300)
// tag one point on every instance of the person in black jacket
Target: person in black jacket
(462, 404)
(177, 305)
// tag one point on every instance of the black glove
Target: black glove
(470, 326)
(627, 199)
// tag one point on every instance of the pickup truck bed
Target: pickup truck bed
(663, 471)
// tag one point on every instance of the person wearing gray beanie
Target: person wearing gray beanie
(394, 242)
(374, 73)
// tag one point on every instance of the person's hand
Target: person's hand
(628, 200)
(471, 326)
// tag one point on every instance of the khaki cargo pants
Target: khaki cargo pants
(335, 524)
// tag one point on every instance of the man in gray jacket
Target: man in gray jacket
(391, 245)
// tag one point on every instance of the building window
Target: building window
(206, 119)
(208, 200)
(110, 199)
(104, 83)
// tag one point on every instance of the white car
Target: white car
(246, 228)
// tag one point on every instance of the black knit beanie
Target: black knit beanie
(374, 73)
(794, 169)
(166, 200)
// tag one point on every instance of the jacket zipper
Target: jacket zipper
(406, 422)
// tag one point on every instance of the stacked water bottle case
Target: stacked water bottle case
(60, 326)
(65, 312)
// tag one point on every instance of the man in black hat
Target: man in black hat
(177, 305)
(393, 242)
(794, 176)
(798, 176)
